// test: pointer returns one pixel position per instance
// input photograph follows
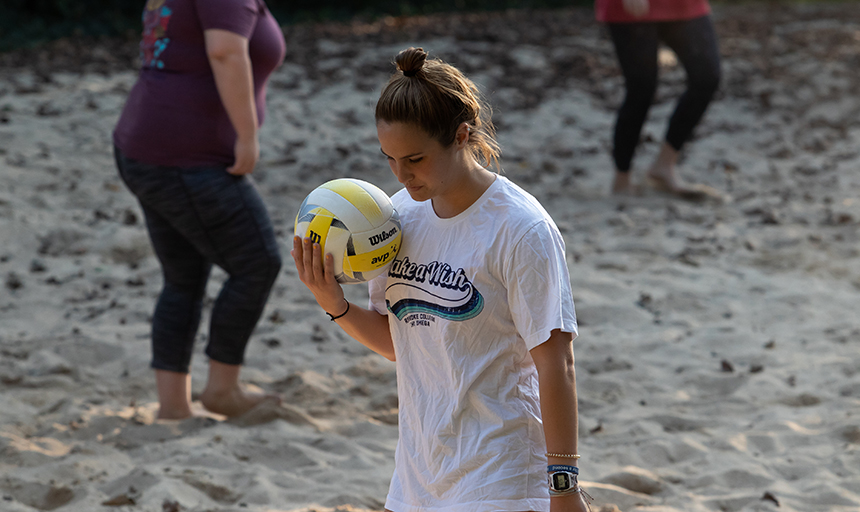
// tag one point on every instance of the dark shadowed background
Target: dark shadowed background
(26, 23)
(30, 22)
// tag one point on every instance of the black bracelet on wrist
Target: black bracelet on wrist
(333, 318)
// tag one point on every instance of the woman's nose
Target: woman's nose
(398, 171)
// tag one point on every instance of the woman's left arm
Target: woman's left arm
(231, 65)
(557, 380)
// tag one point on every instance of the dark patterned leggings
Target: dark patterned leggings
(198, 217)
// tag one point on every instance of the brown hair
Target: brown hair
(437, 98)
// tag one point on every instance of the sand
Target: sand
(718, 363)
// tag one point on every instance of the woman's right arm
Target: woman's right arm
(367, 326)
(637, 8)
(231, 67)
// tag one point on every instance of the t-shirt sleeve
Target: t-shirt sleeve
(237, 16)
(538, 281)
(376, 290)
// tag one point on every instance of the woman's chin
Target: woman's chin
(417, 193)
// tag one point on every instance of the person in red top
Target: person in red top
(637, 27)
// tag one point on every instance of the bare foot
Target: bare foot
(174, 395)
(173, 414)
(234, 401)
(621, 185)
(676, 187)
(662, 176)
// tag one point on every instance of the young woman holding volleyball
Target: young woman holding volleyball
(476, 310)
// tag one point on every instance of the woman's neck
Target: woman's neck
(463, 194)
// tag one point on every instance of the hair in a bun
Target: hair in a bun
(410, 61)
(438, 98)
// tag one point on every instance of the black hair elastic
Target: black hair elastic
(411, 72)
(333, 318)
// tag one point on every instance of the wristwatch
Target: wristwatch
(562, 478)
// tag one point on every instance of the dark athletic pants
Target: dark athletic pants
(636, 45)
(197, 217)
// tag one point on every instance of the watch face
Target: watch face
(561, 481)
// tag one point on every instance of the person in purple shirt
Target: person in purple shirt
(185, 144)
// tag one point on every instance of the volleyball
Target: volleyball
(355, 222)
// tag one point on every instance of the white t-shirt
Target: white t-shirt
(467, 298)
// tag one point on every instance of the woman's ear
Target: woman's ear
(464, 131)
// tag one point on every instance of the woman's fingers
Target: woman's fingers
(314, 269)
(329, 268)
(296, 253)
(306, 256)
(245, 154)
(636, 8)
(319, 271)
(317, 274)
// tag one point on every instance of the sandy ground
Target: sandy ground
(719, 356)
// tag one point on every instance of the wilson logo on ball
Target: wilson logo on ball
(378, 239)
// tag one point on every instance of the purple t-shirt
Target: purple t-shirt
(174, 115)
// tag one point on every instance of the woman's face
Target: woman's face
(425, 168)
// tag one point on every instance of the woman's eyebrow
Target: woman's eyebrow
(401, 158)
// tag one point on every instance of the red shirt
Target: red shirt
(612, 11)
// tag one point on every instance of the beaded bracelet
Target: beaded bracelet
(564, 455)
